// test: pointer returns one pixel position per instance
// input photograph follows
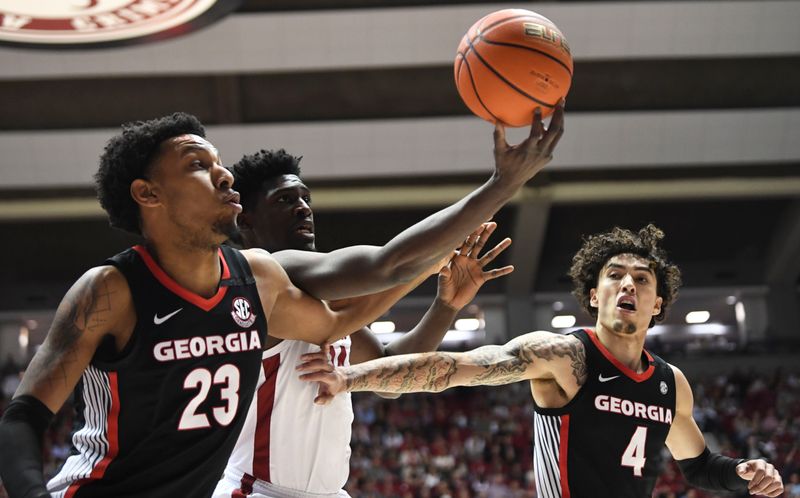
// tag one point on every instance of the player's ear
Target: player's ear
(593, 298)
(145, 193)
(657, 308)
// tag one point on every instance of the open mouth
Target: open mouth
(627, 304)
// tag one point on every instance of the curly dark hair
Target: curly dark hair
(598, 249)
(252, 171)
(128, 156)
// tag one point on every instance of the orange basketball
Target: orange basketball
(510, 62)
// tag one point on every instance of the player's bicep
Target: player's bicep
(550, 356)
(87, 313)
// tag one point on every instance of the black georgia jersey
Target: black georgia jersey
(160, 419)
(607, 441)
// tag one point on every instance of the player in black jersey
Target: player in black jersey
(604, 406)
(163, 341)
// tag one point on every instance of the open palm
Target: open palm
(460, 280)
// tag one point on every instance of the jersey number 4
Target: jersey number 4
(202, 379)
(633, 456)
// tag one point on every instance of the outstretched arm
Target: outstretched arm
(287, 306)
(366, 269)
(531, 356)
(708, 470)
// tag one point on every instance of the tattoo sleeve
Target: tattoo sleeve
(488, 365)
(85, 309)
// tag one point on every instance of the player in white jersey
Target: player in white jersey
(290, 447)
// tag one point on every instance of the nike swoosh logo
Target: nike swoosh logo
(606, 379)
(158, 320)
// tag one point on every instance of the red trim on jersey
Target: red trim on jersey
(638, 377)
(266, 402)
(246, 488)
(342, 356)
(112, 426)
(175, 287)
(562, 456)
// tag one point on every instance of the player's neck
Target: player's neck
(195, 269)
(627, 348)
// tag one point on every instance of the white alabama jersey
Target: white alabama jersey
(287, 440)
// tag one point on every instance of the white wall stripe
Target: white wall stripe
(441, 146)
(429, 35)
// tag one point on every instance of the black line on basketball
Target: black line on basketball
(475, 89)
(512, 85)
(524, 47)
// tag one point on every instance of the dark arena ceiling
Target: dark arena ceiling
(673, 118)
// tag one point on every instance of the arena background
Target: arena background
(682, 113)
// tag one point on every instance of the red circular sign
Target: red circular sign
(71, 23)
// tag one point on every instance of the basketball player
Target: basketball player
(604, 406)
(162, 402)
(289, 445)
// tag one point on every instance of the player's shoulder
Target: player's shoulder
(546, 338)
(259, 259)
(265, 267)
(682, 386)
(105, 278)
(102, 289)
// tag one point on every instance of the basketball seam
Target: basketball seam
(475, 89)
(524, 47)
(496, 73)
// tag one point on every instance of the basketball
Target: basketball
(510, 62)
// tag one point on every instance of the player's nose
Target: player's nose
(224, 178)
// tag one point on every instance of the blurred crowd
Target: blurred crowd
(476, 442)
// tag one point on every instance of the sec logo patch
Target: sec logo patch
(242, 312)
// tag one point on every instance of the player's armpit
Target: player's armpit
(98, 304)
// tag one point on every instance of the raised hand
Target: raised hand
(519, 163)
(461, 279)
(763, 476)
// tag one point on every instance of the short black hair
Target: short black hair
(252, 171)
(128, 156)
(598, 249)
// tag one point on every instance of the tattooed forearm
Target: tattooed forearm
(488, 365)
(431, 372)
